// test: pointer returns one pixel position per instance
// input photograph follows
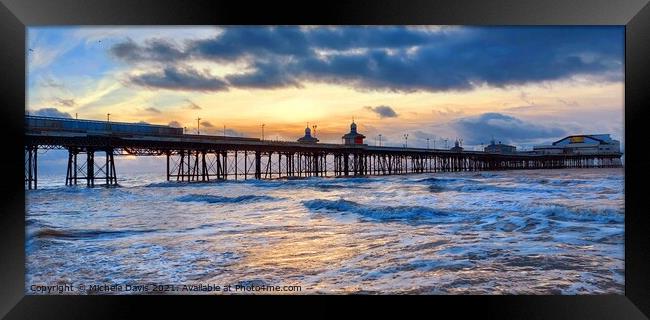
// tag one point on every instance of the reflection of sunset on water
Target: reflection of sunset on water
(509, 232)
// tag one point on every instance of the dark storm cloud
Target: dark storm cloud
(505, 128)
(51, 112)
(180, 79)
(383, 111)
(400, 58)
(240, 42)
(153, 49)
(364, 37)
(266, 75)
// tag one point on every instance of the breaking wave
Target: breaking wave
(562, 213)
(437, 186)
(385, 213)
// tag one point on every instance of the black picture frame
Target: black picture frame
(16, 15)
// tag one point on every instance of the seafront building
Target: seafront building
(499, 148)
(581, 144)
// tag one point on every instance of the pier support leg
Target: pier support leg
(31, 167)
(111, 174)
(167, 154)
(258, 165)
(90, 168)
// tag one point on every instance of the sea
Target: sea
(493, 233)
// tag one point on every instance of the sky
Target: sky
(520, 85)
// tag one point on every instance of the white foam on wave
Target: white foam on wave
(378, 212)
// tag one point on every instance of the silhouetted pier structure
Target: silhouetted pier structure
(195, 158)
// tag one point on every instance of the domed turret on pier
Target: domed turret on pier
(308, 138)
(457, 147)
(353, 137)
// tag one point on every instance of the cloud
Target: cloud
(43, 56)
(175, 124)
(526, 98)
(401, 59)
(234, 133)
(568, 103)
(153, 49)
(47, 81)
(421, 135)
(65, 102)
(210, 129)
(192, 105)
(51, 112)
(520, 109)
(265, 76)
(152, 109)
(383, 111)
(236, 43)
(508, 129)
(174, 78)
(207, 124)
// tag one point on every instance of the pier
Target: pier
(202, 158)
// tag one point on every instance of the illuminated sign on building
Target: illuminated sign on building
(577, 139)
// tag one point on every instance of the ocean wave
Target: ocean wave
(564, 213)
(185, 184)
(312, 183)
(545, 262)
(424, 266)
(437, 185)
(485, 174)
(551, 181)
(383, 213)
(79, 189)
(481, 187)
(435, 188)
(335, 186)
(85, 234)
(221, 199)
(167, 184)
(437, 180)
